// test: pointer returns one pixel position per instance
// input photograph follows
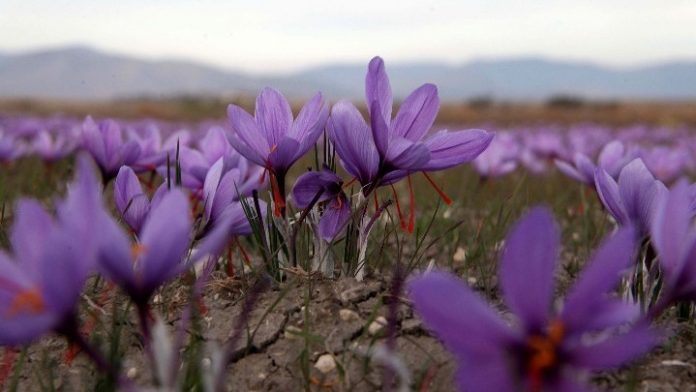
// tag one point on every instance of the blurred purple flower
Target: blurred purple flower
(631, 201)
(329, 186)
(674, 238)
(40, 282)
(613, 157)
(500, 157)
(272, 139)
(130, 199)
(543, 349)
(52, 146)
(104, 141)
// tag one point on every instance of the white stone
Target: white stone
(377, 326)
(459, 254)
(326, 363)
(348, 315)
(132, 373)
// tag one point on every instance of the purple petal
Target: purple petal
(309, 124)
(406, 155)
(273, 115)
(466, 324)
(570, 170)
(335, 218)
(616, 350)
(608, 192)
(380, 130)
(527, 267)
(247, 138)
(115, 260)
(417, 113)
(489, 370)
(639, 191)
(165, 238)
(210, 186)
(126, 187)
(611, 158)
(226, 192)
(309, 184)
(285, 154)
(377, 88)
(589, 293)
(136, 212)
(214, 144)
(353, 142)
(448, 149)
(30, 232)
(670, 229)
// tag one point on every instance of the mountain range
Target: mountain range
(82, 73)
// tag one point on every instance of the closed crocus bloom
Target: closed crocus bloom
(274, 140)
(221, 195)
(325, 187)
(41, 280)
(544, 349)
(674, 238)
(130, 199)
(613, 157)
(631, 201)
(104, 141)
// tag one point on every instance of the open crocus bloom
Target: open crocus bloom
(40, 282)
(390, 149)
(631, 200)
(274, 140)
(544, 350)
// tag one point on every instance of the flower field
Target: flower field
(347, 248)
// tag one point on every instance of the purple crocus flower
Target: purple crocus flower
(326, 187)
(130, 199)
(52, 146)
(613, 157)
(40, 282)
(104, 141)
(221, 195)
(674, 238)
(156, 258)
(544, 348)
(499, 158)
(272, 139)
(631, 200)
(389, 150)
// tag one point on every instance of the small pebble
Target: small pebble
(472, 281)
(326, 363)
(459, 255)
(132, 372)
(377, 326)
(348, 315)
(206, 362)
(292, 332)
(447, 214)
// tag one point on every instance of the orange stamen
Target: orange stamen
(28, 300)
(543, 354)
(439, 191)
(137, 250)
(273, 148)
(398, 208)
(411, 207)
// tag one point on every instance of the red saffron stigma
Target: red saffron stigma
(349, 183)
(439, 191)
(278, 201)
(376, 201)
(245, 256)
(398, 208)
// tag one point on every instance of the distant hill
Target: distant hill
(84, 73)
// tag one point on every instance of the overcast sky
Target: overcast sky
(283, 35)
